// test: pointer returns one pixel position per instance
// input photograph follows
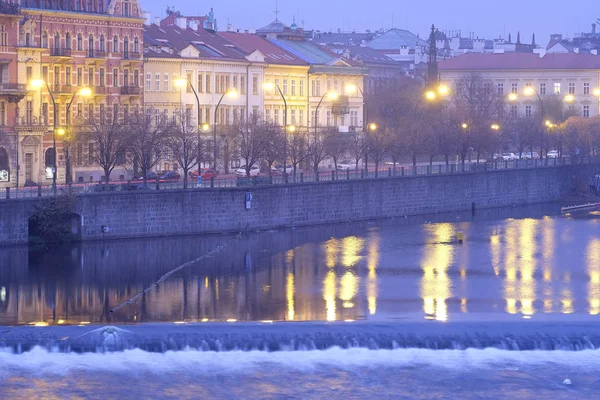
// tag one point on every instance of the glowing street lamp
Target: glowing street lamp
(372, 127)
(430, 95)
(596, 92)
(231, 93)
(528, 91)
(512, 97)
(495, 127)
(444, 90)
(291, 129)
(569, 98)
(464, 125)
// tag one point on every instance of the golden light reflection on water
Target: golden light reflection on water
(351, 248)
(329, 295)
(332, 250)
(520, 266)
(289, 294)
(372, 261)
(593, 267)
(437, 258)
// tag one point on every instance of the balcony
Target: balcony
(340, 106)
(129, 55)
(62, 89)
(9, 8)
(14, 91)
(131, 90)
(30, 123)
(60, 53)
(95, 57)
(130, 59)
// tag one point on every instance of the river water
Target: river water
(527, 270)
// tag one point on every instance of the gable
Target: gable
(190, 52)
(256, 56)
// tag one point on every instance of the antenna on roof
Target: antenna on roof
(276, 11)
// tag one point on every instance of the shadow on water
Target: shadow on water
(318, 272)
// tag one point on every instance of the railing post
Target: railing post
(212, 181)
(428, 170)
(389, 172)
(157, 184)
(301, 177)
(401, 171)
(439, 168)
(39, 190)
(285, 178)
(362, 174)
(317, 176)
(347, 174)
(8, 193)
(332, 175)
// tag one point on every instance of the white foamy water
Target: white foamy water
(40, 361)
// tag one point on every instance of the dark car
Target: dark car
(150, 176)
(169, 176)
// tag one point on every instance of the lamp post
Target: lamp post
(271, 86)
(332, 96)
(39, 83)
(366, 125)
(184, 82)
(230, 93)
(86, 92)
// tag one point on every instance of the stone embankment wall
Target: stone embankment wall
(197, 211)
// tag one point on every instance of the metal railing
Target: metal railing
(228, 181)
(59, 52)
(131, 90)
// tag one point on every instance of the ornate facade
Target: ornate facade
(68, 45)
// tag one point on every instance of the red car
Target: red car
(205, 173)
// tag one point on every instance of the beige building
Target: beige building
(575, 78)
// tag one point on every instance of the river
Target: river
(392, 309)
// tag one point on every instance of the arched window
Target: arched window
(49, 157)
(4, 166)
(91, 44)
(126, 47)
(136, 45)
(45, 39)
(101, 42)
(115, 48)
(56, 40)
(79, 42)
(68, 41)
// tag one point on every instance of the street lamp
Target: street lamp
(232, 93)
(331, 95)
(184, 82)
(495, 127)
(465, 125)
(85, 92)
(352, 88)
(272, 86)
(39, 84)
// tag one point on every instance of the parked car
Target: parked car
(346, 165)
(504, 157)
(205, 173)
(241, 171)
(170, 176)
(530, 155)
(150, 176)
(552, 154)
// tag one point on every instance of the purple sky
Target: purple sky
(484, 18)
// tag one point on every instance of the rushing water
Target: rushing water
(399, 309)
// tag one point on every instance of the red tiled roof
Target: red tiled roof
(517, 61)
(208, 43)
(273, 54)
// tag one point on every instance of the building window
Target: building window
(125, 112)
(207, 83)
(91, 45)
(115, 111)
(29, 112)
(115, 77)
(301, 87)
(501, 88)
(102, 113)
(101, 42)
(571, 87)
(57, 75)
(513, 111)
(126, 47)
(199, 83)
(313, 85)
(157, 82)
(235, 81)
(188, 86)
(79, 42)
(79, 76)
(586, 111)
(68, 76)
(29, 73)
(268, 115)
(136, 78)
(514, 88)
(91, 76)
(487, 88)
(556, 87)
(255, 84)
(115, 48)
(293, 87)
(285, 86)
(528, 111)
(276, 116)
(542, 89)
(328, 120)
(293, 113)
(49, 157)
(101, 83)
(586, 88)
(166, 83)
(79, 109)
(318, 87)
(45, 40)
(91, 110)
(148, 81)
(91, 152)
(125, 77)
(301, 117)
(2, 113)
(136, 45)
(68, 41)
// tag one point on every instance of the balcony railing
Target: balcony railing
(31, 121)
(131, 90)
(129, 55)
(57, 52)
(96, 54)
(12, 87)
(62, 88)
(7, 7)
(28, 43)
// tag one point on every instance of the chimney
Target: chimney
(156, 21)
(193, 24)
(147, 18)
(181, 22)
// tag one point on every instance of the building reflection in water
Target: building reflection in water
(437, 258)
(519, 267)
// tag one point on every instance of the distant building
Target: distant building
(550, 74)
(401, 45)
(587, 42)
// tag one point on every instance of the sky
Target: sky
(483, 18)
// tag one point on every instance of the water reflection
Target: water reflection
(517, 267)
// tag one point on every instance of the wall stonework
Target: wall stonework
(177, 212)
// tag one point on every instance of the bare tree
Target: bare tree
(110, 139)
(297, 145)
(251, 141)
(274, 147)
(147, 141)
(356, 147)
(519, 133)
(186, 145)
(316, 151)
(378, 144)
(336, 145)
